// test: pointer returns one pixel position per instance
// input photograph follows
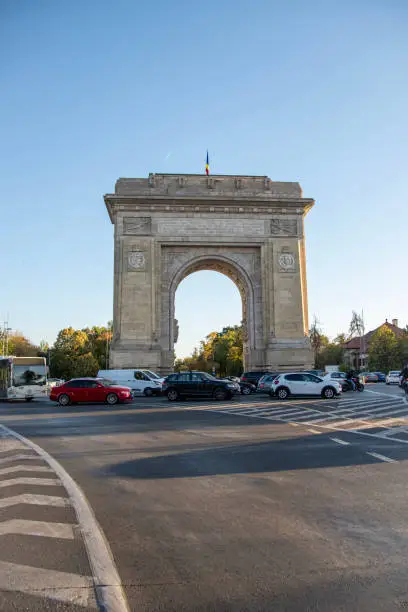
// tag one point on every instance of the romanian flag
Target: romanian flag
(207, 166)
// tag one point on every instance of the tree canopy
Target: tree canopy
(220, 351)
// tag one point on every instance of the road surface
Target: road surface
(252, 504)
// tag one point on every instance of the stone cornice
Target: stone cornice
(228, 206)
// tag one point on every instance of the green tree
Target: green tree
(18, 345)
(316, 339)
(384, 352)
(84, 365)
(220, 350)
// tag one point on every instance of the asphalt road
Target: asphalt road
(252, 504)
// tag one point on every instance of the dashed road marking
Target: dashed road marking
(355, 415)
(339, 441)
(382, 457)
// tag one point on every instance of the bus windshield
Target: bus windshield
(29, 375)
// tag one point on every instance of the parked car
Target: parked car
(335, 375)
(302, 383)
(338, 377)
(140, 381)
(381, 376)
(90, 390)
(245, 388)
(369, 377)
(393, 377)
(320, 373)
(55, 382)
(254, 377)
(265, 383)
(198, 384)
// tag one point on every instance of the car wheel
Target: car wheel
(328, 393)
(64, 400)
(282, 393)
(148, 392)
(246, 390)
(172, 395)
(29, 399)
(220, 394)
(112, 399)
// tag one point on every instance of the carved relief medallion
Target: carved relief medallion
(136, 260)
(286, 262)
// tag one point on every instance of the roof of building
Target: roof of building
(355, 343)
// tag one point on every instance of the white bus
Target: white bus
(23, 378)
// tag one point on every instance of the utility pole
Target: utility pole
(5, 334)
(362, 331)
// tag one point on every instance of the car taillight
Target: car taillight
(275, 382)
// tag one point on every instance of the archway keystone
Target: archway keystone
(247, 227)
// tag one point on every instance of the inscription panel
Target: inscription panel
(139, 226)
(211, 227)
(284, 227)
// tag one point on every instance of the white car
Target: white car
(339, 376)
(301, 383)
(140, 381)
(393, 377)
(55, 382)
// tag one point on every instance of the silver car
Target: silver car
(265, 383)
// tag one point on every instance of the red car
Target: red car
(90, 390)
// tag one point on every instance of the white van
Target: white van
(141, 381)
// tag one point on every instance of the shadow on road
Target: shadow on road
(299, 453)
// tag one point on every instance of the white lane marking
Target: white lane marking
(382, 457)
(35, 500)
(389, 395)
(294, 424)
(21, 457)
(107, 582)
(64, 531)
(57, 586)
(339, 441)
(314, 431)
(389, 413)
(43, 482)
(24, 468)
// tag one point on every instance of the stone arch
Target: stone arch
(249, 228)
(235, 272)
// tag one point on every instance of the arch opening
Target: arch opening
(242, 283)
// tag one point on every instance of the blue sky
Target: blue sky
(311, 91)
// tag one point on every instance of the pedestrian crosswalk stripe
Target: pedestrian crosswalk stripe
(37, 500)
(49, 584)
(354, 414)
(44, 529)
(21, 457)
(43, 482)
(24, 468)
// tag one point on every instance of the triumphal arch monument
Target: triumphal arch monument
(249, 228)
